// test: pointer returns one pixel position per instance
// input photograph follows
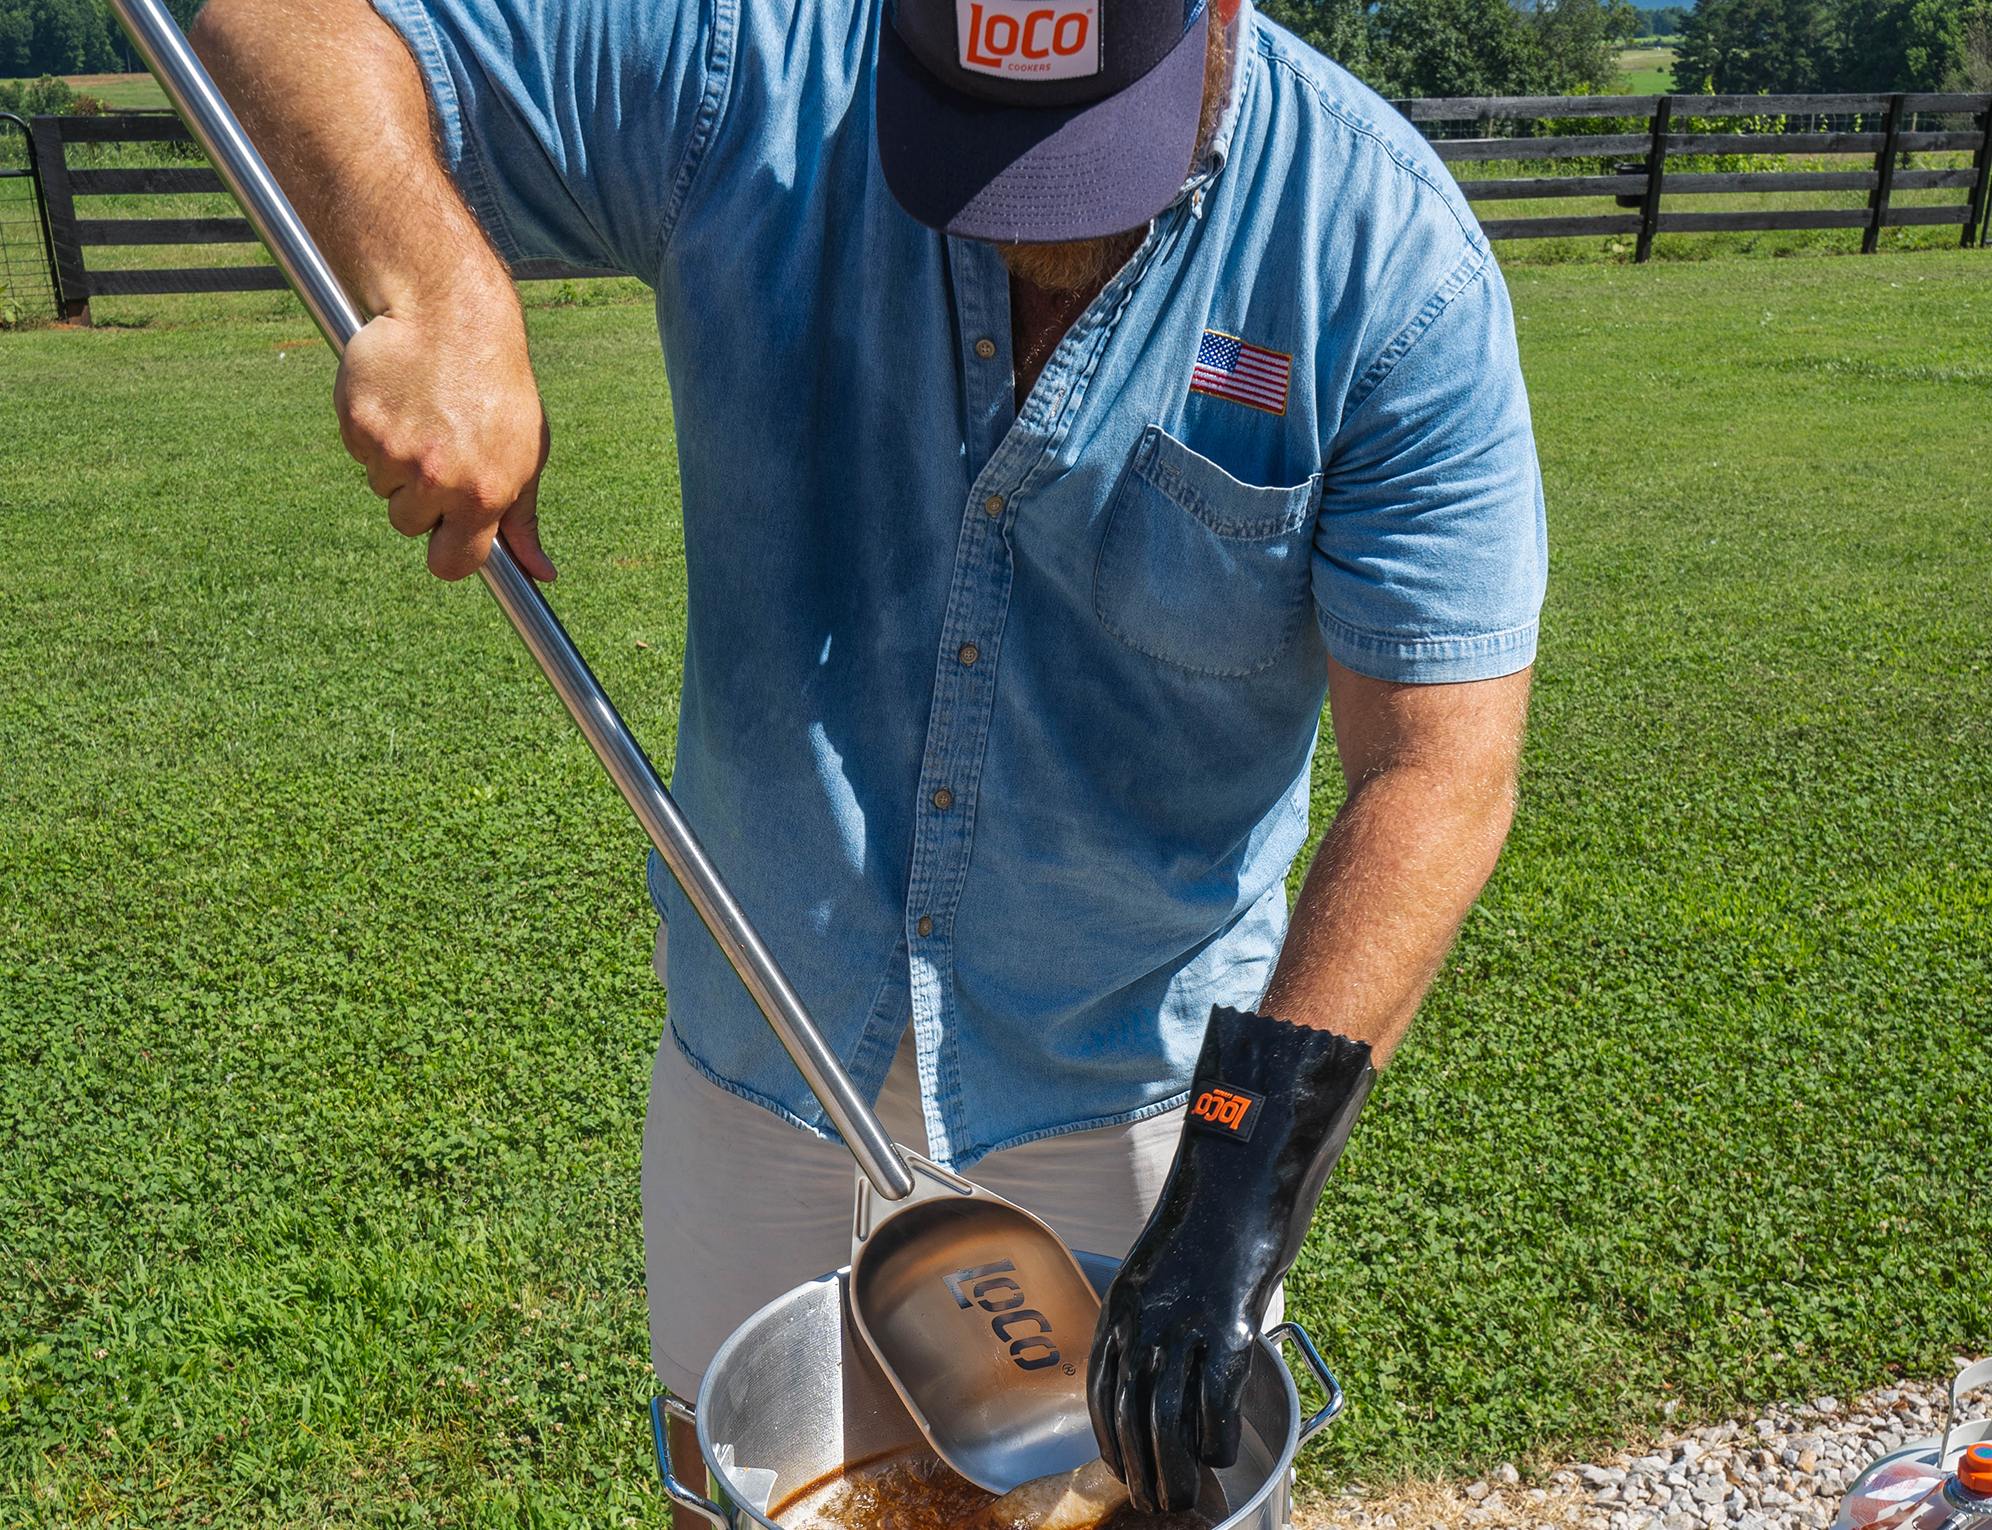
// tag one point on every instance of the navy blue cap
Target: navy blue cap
(1039, 121)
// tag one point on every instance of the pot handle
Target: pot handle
(1310, 1427)
(675, 1490)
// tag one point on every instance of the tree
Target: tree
(1467, 47)
(1580, 40)
(58, 37)
(1888, 45)
(1337, 28)
(1452, 48)
(1742, 47)
(1973, 74)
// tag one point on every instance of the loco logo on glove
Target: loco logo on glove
(1225, 1109)
(994, 1291)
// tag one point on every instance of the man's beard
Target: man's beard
(1086, 262)
(1069, 267)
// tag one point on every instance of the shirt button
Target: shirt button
(985, 348)
(944, 799)
(925, 926)
(993, 504)
(968, 653)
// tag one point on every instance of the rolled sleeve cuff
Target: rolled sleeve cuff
(1428, 661)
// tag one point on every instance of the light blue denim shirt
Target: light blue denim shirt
(999, 723)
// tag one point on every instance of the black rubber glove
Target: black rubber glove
(1270, 1109)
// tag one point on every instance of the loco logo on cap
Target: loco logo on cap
(1028, 39)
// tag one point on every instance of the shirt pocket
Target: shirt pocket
(1199, 570)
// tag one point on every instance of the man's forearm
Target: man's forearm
(337, 107)
(1431, 795)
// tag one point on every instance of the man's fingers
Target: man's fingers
(1220, 1415)
(520, 528)
(457, 550)
(1102, 1387)
(407, 511)
(1133, 1426)
(1170, 1429)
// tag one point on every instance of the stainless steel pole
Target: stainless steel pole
(173, 63)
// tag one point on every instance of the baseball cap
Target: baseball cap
(1039, 121)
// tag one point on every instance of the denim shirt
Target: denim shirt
(999, 721)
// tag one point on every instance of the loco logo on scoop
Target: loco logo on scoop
(995, 1292)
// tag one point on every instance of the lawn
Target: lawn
(325, 1013)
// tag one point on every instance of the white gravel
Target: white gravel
(1784, 1468)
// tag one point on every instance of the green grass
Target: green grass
(325, 1015)
(1697, 1112)
(1646, 71)
(120, 92)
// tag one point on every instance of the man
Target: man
(1068, 393)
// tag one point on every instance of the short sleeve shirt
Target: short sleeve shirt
(999, 720)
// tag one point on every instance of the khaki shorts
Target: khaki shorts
(739, 1206)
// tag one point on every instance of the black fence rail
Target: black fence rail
(62, 183)
(59, 163)
(1509, 128)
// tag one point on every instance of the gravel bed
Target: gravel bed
(1784, 1468)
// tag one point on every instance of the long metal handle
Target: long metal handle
(1310, 1427)
(201, 105)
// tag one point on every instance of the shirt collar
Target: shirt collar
(1218, 150)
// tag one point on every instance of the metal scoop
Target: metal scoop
(973, 1306)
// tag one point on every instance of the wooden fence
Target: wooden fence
(1644, 183)
(70, 236)
(1505, 128)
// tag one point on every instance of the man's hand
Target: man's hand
(443, 413)
(435, 396)
(1270, 1108)
(1431, 775)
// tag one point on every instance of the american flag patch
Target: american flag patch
(1229, 368)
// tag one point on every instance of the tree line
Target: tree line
(1570, 47)
(1798, 46)
(1424, 47)
(69, 37)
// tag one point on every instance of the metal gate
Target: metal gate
(27, 258)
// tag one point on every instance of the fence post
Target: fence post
(1884, 177)
(1974, 218)
(72, 284)
(1656, 171)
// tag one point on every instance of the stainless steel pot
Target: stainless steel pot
(794, 1394)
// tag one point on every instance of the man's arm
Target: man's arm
(435, 395)
(1431, 776)
(1431, 773)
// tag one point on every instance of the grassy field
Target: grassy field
(1647, 71)
(325, 1015)
(121, 92)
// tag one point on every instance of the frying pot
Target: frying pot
(794, 1394)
